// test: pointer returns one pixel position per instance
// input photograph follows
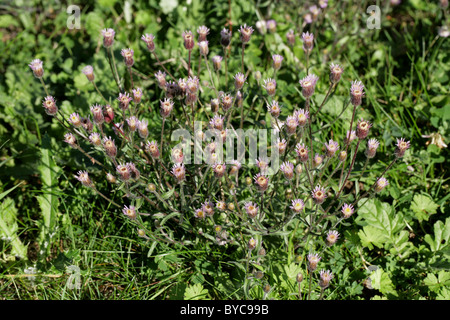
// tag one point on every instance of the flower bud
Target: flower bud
(97, 113)
(246, 32)
(110, 147)
(188, 40)
(108, 37)
(276, 61)
(149, 41)
(36, 66)
(356, 93)
(288, 170)
(252, 244)
(203, 46)
(83, 177)
(362, 129)
(225, 37)
(308, 85)
(49, 105)
(89, 73)
(313, 260)
(335, 73)
(128, 54)
(308, 42)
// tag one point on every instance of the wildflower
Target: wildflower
(347, 210)
(288, 170)
(356, 93)
(308, 41)
(49, 105)
(202, 31)
(124, 100)
(299, 277)
(308, 85)
(274, 109)
(271, 86)
(302, 152)
(402, 146)
(199, 214)
(252, 244)
(443, 32)
(281, 145)
(217, 122)
(36, 66)
(298, 169)
(128, 54)
(179, 171)
(235, 166)
(351, 135)
(271, 26)
(246, 32)
(89, 73)
(166, 107)
(137, 95)
(161, 78)
(124, 171)
(221, 205)
(177, 155)
(111, 178)
(332, 147)
(313, 260)
(108, 113)
(262, 164)
(143, 129)
(314, 11)
(239, 80)
(132, 123)
(290, 36)
(219, 169)
(83, 177)
(108, 37)
(372, 146)
(110, 147)
(130, 212)
(71, 140)
(149, 41)
(97, 112)
(225, 37)
(261, 27)
(362, 129)
(291, 124)
(332, 237)
(318, 195)
(381, 184)
(277, 60)
(75, 120)
(308, 18)
(262, 182)
(325, 278)
(208, 208)
(302, 117)
(215, 103)
(342, 155)
(188, 40)
(217, 62)
(335, 73)
(436, 139)
(251, 209)
(297, 205)
(203, 46)
(135, 174)
(152, 148)
(323, 3)
(317, 160)
(227, 102)
(95, 139)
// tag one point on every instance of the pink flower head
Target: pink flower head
(261, 181)
(271, 86)
(271, 25)
(290, 36)
(372, 146)
(313, 260)
(75, 120)
(362, 129)
(179, 171)
(152, 149)
(110, 147)
(297, 205)
(318, 194)
(166, 107)
(302, 152)
(149, 41)
(71, 140)
(335, 73)
(124, 171)
(89, 73)
(347, 210)
(108, 37)
(36, 66)
(402, 146)
(274, 109)
(188, 40)
(246, 32)
(83, 177)
(302, 117)
(381, 184)
(291, 124)
(356, 93)
(161, 78)
(128, 54)
(49, 105)
(124, 100)
(217, 122)
(332, 147)
(227, 101)
(137, 95)
(202, 32)
(97, 112)
(332, 237)
(308, 41)
(217, 62)
(208, 208)
(251, 209)
(95, 139)
(325, 278)
(239, 80)
(277, 60)
(308, 85)
(225, 37)
(130, 212)
(288, 170)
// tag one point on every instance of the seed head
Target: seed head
(318, 195)
(401, 147)
(149, 41)
(83, 177)
(325, 278)
(313, 260)
(308, 85)
(36, 66)
(108, 37)
(49, 105)
(347, 210)
(89, 73)
(356, 93)
(246, 32)
(188, 40)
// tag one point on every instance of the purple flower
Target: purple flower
(36, 66)
(308, 85)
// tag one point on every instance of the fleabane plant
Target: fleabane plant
(193, 181)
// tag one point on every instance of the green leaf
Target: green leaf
(9, 228)
(441, 236)
(423, 206)
(436, 283)
(382, 282)
(196, 292)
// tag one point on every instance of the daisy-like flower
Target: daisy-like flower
(83, 177)
(111, 178)
(97, 113)
(227, 102)
(137, 95)
(401, 147)
(108, 37)
(235, 166)
(217, 62)
(127, 55)
(252, 244)
(132, 123)
(342, 155)
(325, 278)
(277, 60)
(261, 181)
(49, 105)
(71, 140)
(203, 47)
(318, 195)
(130, 212)
(308, 41)
(89, 73)
(302, 117)
(225, 37)
(152, 149)
(347, 210)
(332, 237)
(149, 40)
(124, 100)
(372, 146)
(381, 184)
(288, 170)
(208, 208)
(297, 205)
(251, 209)
(291, 125)
(246, 32)
(221, 205)
(177, 155)
(75, 120)
(143, 128)
(332, 147)
(166, 107)
(179, 171)
(290, 36)
(281, 145)
(95, 139)
(108, 113)
(302, 152)
(271, 86)
(335, 73)
(318, 159)
(274, 109)
(219, 169)
(217, 122)
(356, 93)
(271, 25)
(110, 147)
(313, 260)
(124, 171)
(362, 129)
(192, 84)
(202, 32)
(36, 67)
(350, 136)
(262, 164)
(308, 85)
(161, 78)
(199, 214)
(239, 80)
(135, 173)
(188, 39)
